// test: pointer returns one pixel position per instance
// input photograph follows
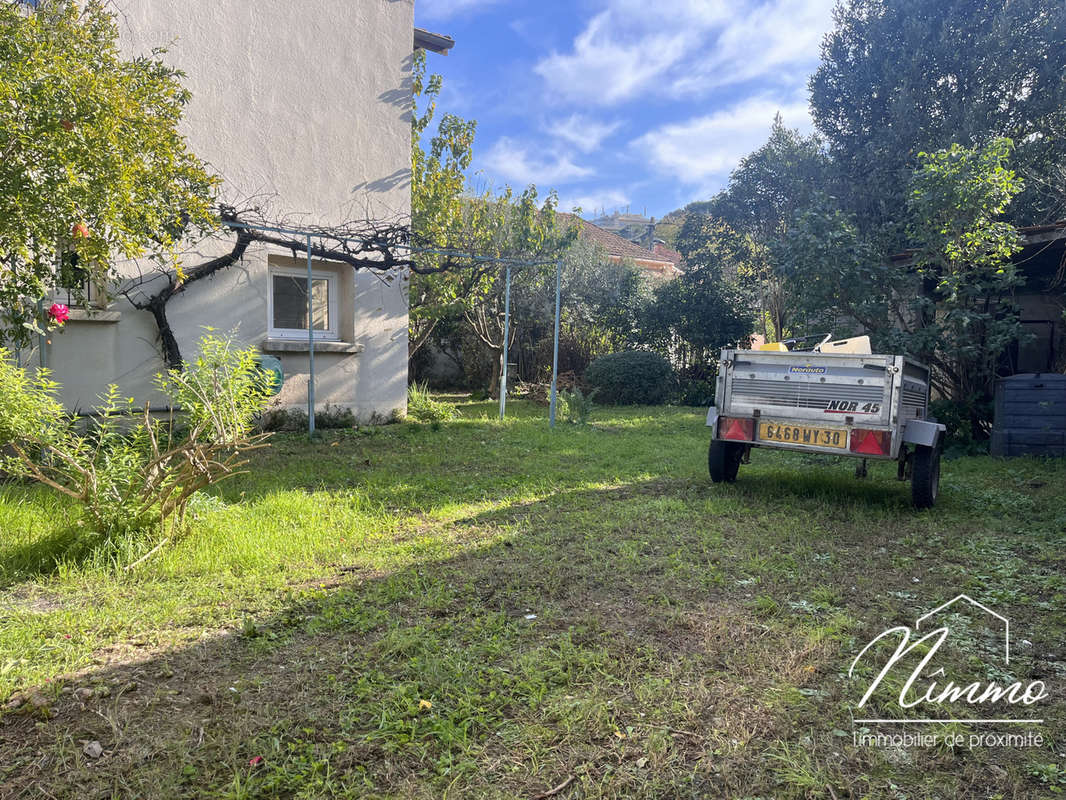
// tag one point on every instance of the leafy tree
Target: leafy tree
(445, 216)
(602, 304)
(965, 314)
(604, 299)
(91, 161)
(696, 314)
(949, 302)
(837, 280)
(770, 184)
(764, 194)
(910, 76)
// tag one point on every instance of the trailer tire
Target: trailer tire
(723, 460)
(925, 476)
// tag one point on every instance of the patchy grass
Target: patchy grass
(497, 610)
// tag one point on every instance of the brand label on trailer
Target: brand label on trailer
(808, 369)
(852, 407)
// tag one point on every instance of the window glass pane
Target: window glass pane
(290, 302)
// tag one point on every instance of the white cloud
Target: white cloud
(610, 64)
(583, 132)
(686, 47)
(778, 41)
(593, 201)
(511, 162)
(703, 151)
(446, 9)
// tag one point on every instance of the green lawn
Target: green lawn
(498, 610)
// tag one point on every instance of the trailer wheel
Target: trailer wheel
(723, 460)
(925, 476)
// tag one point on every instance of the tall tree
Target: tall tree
(909, 76)
(446, 216)
(92, 165)
(771, 183)
(706, 308)
(949, 302)
(764, 193)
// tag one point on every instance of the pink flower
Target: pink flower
(255, 761)
(59, 313)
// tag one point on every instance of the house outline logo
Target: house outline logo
(928, 686)
(983, 607)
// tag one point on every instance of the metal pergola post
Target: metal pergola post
(555, 349)
(506, 336)
(310, 346)
(42, 339)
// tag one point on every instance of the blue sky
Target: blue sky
(615, 103)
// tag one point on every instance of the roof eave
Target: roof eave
(434, 42)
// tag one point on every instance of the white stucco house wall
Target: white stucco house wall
(304, 108)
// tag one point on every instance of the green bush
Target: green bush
(695, 392)
(968, 425)
(422, 406)
(632, 377)
(575, 406)
(128, 469)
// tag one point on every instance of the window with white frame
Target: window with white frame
(287, 304)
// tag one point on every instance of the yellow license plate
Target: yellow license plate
(801, 434)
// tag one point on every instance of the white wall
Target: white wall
(303, 109)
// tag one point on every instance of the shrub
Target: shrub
(127, 468)
(575, 406)
(295, 419)
(632, 377)
(963, 436)
(422, 406)
(695, 392)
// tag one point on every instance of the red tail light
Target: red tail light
(741, 430)
(872, 443)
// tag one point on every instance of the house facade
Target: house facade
(303, 110)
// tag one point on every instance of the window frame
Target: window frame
(332, 308)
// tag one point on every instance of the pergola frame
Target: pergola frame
(505, 262)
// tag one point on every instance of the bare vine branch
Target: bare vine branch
(380, 246)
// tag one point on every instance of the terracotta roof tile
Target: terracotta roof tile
(668, 253)
(614, 244)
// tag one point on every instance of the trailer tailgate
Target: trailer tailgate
(824, 388)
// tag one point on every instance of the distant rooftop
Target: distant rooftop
(618, 221)
(618, 247)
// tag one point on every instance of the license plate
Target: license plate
(801, 434)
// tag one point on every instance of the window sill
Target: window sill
(81, 315)
(301, 346)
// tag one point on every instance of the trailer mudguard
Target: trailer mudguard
(923, 432)
(712, 417)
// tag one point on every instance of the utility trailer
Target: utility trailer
(859, 405)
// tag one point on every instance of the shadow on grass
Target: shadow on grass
(617, 637)
(43, 557)
(772, 488)
(70, 547)
(633, 627)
